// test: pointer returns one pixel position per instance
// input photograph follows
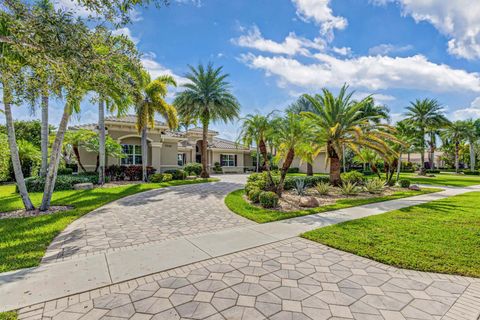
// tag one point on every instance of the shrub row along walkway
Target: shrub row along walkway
(284, 277)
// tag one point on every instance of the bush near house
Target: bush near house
(268, 199)
(63, 182)
(259, 180)
(177, 174)
(116, 172)
(353, 177)
(134, 173)
(404, 183)
(293, 170)
(193, 168)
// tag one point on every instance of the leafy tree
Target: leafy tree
(150, 102)
(472, 134)
(340, 121)
(368, 157)
(73, 139)
(425, 115)
(207, 97)
(406, 134)
(112, 148)
(456, 132)
(4, 158)
(28, 130)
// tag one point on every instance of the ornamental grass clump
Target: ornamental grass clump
(349, 189)
(323, 188)
(374, 186)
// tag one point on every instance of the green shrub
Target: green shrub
(471, 173)
(404, 183)
(217, 168)
(254, 195)
(255, 177)
(293, 170)
(167, 177)
(375, 185)
(268, 199)
(353, 177)
(177, 174)
(64, 171)
(323, 188)
(310, 181)
(156, 178)
(368, 173)
(65, 182)
(432, 171)
(349, 189)
(193, 168)
(116, 172)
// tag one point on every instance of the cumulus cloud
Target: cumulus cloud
(291, 45)
(369, 72)
(126, 32)
(379, 97)
(156, 69)
(457, 19)
(473, 111)
(319, 11)
(387, 48)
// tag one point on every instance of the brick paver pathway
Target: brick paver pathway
(291, 279)
(150, 216)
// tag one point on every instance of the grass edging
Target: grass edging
(439, 236)
(23, 241)
(237, 204)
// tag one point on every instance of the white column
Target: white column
(156, 155)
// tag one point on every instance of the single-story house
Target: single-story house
(416, 158)
(169, 149)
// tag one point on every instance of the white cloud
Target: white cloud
(156, 69)
(74, 8)
(457, 19)
(379, 97)
(126, 32)
(473, 111)
(320, 12)
(344, 51)
(369, 72)
(385, 49)
(292, 44)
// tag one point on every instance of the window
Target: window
(227, 160)
(181, 159)
(133, 154)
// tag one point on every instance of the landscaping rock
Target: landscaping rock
(414, 187)
(309, 202)
(83, 186)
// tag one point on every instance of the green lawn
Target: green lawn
(439, 236)
(236, 203)
(443, 179)
(23, 241)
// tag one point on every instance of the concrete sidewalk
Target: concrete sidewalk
(58, 279)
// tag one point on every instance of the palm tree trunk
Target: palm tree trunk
(204, 173)
(309, 169)
(12, 143)
(399, 165)
(258, 159)
(335, 166)
(77, 155)
(286, 165)
(472, 156)
(263, 151)
(422, 154)
(432, 151)
(408, 156)
(457, 164)
(54, 160)
(343, 159)
(101, 141)
(44, 136)
(144, 155)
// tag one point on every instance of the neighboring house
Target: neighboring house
(170, 149)
(416, 158)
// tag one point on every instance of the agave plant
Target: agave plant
(323, 188)
(300, 187)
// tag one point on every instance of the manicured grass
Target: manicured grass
(23, 241)
(10, 315)
(439, 236)
(443, 179)
(236, 203)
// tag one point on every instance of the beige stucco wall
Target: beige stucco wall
(318, 164)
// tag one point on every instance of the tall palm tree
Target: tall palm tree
(149, 103)
(425, 114)
(341, 121)
(456, 132)
(291, 137)
(207, 97)
(405, 133)
(368, 156)
(472, 134)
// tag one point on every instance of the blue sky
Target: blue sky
(275, 50)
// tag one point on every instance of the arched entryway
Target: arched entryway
(198, 151)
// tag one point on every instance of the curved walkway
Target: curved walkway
(179, 253)
(151, 216)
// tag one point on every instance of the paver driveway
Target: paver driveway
(148, 217)
(291, 279)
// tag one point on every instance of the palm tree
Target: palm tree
(456, 132)
(472, 134)
(149, 103)
(367, 156)
(406, 134)
(291, 137)
(207, 97)
(340, 121)
(424, 115)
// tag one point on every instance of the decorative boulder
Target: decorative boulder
(83, 186)
(414, 187)
(309, 202)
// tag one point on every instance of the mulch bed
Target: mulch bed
(33, 213)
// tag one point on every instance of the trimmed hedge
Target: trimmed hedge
(432, 171)
(404, 183)
(293, 170)
(64, 171)
(177, 174)
(471, 173)
(268, 199)
(193, 168)
(63, 182)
